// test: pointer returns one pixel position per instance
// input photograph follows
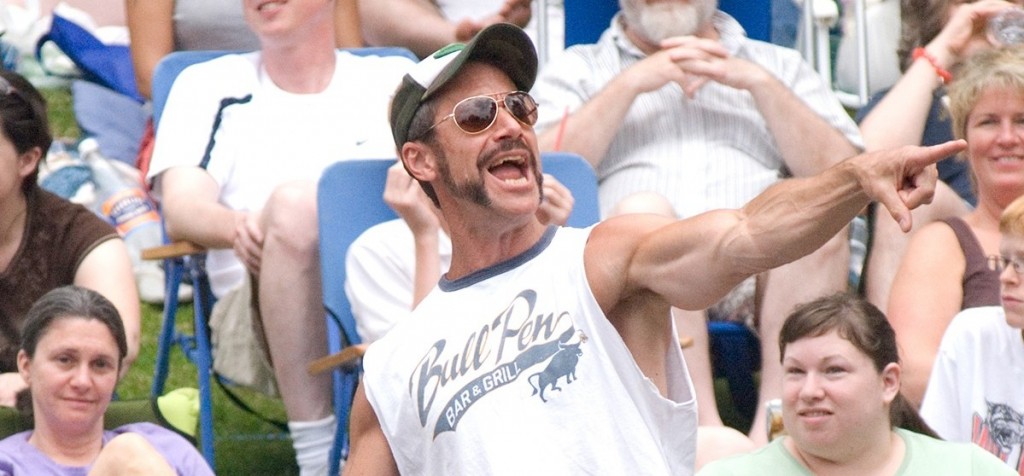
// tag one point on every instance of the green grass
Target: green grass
(243, 443)
(61, 114)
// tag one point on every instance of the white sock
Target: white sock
(312, 441)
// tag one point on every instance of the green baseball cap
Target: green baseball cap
(503, 45)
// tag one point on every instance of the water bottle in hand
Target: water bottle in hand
(1007, 27)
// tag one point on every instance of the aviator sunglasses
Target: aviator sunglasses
(476, 114)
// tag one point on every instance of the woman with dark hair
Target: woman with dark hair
(842, 406)
(46, 241)
(71, 355)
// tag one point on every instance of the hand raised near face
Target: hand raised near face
(557, 204)
(965, 32)
(405, 196)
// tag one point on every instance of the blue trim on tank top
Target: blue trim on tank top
(499, 268)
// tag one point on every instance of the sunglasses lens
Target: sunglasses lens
(522, 106)
(475, 114)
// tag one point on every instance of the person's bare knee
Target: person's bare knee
(717, 442)
(644, 202)
(130, 454)
(289, 216)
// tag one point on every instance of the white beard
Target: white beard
(667, 19)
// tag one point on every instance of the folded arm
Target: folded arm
(807, 142)
(193, 212)
(191, 208)
(590, 129)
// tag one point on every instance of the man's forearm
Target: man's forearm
(211, 225)
(429, 32)
(901, 116)
(807, 142)
(589, 131)
(805, 212)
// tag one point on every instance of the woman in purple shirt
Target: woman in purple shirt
(73, 345)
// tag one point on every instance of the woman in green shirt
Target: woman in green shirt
(842, 407)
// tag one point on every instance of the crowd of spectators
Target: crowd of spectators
(682, 116)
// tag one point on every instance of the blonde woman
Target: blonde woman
(945, 268)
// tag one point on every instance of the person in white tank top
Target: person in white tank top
(542, 347)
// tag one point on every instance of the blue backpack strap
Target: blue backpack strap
(107, 65)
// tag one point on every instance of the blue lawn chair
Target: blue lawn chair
(183, 258)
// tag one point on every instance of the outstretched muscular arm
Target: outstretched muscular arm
(692, 263)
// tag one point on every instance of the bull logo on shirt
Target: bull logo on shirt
(493, 356)
(562, 364)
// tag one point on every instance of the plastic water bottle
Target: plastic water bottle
(1007, 27)
(132, 213)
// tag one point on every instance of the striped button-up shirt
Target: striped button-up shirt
(713, 151)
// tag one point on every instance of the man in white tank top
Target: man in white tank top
(550, 350)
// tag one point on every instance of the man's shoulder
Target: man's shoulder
(384, 58)
(60, 219)
(382, 239)
(377, 69)
(229, 70)
(769, 53)
(604, 50)
(369, 74)
(977, 322)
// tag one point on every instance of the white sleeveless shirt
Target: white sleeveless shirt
(515, 369)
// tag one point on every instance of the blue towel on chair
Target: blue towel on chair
(118, 122)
